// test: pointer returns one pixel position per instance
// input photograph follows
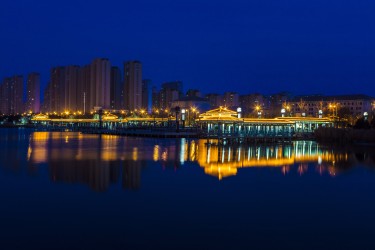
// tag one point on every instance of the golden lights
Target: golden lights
(217, 160)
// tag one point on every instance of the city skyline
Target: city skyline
(245, 46)
(187, 124)
(99, 85)
(116, 72)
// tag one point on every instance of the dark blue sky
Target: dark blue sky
(316, 46)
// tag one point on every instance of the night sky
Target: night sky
(266, 46)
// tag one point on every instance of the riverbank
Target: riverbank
(345, 135)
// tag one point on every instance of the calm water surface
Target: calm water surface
(73, 191)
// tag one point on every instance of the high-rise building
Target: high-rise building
(117, 90)
(215, 100)
(83, 89)
(231, 100)
(100, 80)
(155, 98)
(33, 93)
(46, 105)
(193, 93)
(170, 91)
(274, 103)
(56, 90)
(147, 95)
(133, 85)
(12, 95)
(4, 96)
(71, 97)
(251, 104)
(73, 88)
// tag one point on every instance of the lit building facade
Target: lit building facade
(353, 105)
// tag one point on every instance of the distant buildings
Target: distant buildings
(215, 100)
(54, 96)
(133, 85)
(98, 85)
(100, 79)
(193, 93)
(170, 91)
(11, 93)
(147, 95)
(83, 89)
(231, 100)
(70, 89)
(33, 93)
(340, 105)
(117, 90)
(251, 104)
(193, 104)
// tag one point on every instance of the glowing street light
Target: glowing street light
(333, 107)
(365, 115)
(258, 110)
(239, 110)
(286, 108)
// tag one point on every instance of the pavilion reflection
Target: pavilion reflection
(102, 161)
(224, 160)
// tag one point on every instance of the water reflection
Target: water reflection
(102, 161)
(223, 161)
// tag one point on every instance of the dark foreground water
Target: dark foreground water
(74, 191)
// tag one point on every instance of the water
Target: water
(73, 191)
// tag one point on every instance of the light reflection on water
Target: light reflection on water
(186, 194)
(99, 161)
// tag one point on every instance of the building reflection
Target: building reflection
(101, 161)
(224, 160)
(86, 159)
(104, 161)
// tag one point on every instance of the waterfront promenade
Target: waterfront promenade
(221, 124)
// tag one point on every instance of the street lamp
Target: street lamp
(239, 110)
(320, 113)
(177, 110)
(258, 111)
(282, 112)
(333, 107)
(286, 108)
(183, 117)
(195, 111)
(365, 115)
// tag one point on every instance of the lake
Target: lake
(66, 190)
